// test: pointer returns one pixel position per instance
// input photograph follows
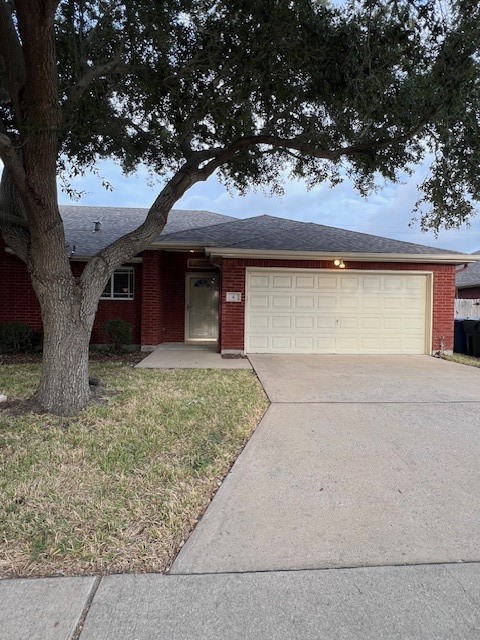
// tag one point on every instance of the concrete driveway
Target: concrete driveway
(359, 461)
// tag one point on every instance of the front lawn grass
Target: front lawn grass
(119, 487)
(461, 358)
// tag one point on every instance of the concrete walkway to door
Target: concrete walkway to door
(359, 461)
(200, 355)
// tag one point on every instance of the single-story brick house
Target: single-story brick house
(259, 285)
(468, 280)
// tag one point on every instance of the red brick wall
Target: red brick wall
(174, 296)
(152, 310)
(233, 279)
(469, 292)
(18, 302)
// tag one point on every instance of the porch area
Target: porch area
(180, 355)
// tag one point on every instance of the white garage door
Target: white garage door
(335, 312)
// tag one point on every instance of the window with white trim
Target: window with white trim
(120, 285)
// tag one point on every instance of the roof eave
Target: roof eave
(433, 258)
(177, 246)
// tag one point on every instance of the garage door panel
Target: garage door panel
(393, 323)
(349, 283)
(372, 323)
(305, 282)
(348, 323)
(415, 283)
(326, 303)
(304, 343)
(282, 282)
(258, 301)
(327, 283)
(258, 282)
(393, 303)
(304, 302)
(282, 342)
(326, 344)
(348, 344)
(335, 313)
(257, 343)
(282, 302)
(258, 322)
(325, 323)
(372, 285)
(349, 303)
(282, 322)
(371, 345)
(371, 303)
(414, 304)
(393, 344)
(304, 322)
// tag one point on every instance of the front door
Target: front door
(201, 315)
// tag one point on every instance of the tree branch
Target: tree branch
(111, 66)
(12, 57)
(12, 162)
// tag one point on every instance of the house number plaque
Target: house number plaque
(233, 296)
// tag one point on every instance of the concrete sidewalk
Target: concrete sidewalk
(437, 602)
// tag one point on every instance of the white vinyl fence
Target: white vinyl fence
(465, 308)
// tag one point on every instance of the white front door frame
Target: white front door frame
(191, 275)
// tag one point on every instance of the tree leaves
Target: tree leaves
(375, 86)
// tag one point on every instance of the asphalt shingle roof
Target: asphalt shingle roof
(204, 228)
(269, 232)
(117, 221)
(470, 276)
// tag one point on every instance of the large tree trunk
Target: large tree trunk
(68, 306)
(64, 387)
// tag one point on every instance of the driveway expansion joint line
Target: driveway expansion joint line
(77, 632)
(403, 565)
(432, 402)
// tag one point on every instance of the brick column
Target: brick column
(151, 333)
(232, 324)
(443, 308)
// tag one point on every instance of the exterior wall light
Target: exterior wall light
(339, 263)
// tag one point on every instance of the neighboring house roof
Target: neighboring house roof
(117, 221)
(470, 276)
(267, 234)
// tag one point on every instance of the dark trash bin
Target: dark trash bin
(459, 337)
(472, 332)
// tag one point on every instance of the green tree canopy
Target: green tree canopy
(326, 90)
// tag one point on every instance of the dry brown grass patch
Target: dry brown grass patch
(118, 487)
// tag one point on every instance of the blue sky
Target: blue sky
(384, 213)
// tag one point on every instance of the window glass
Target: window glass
(108, 289)
(120, 285)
